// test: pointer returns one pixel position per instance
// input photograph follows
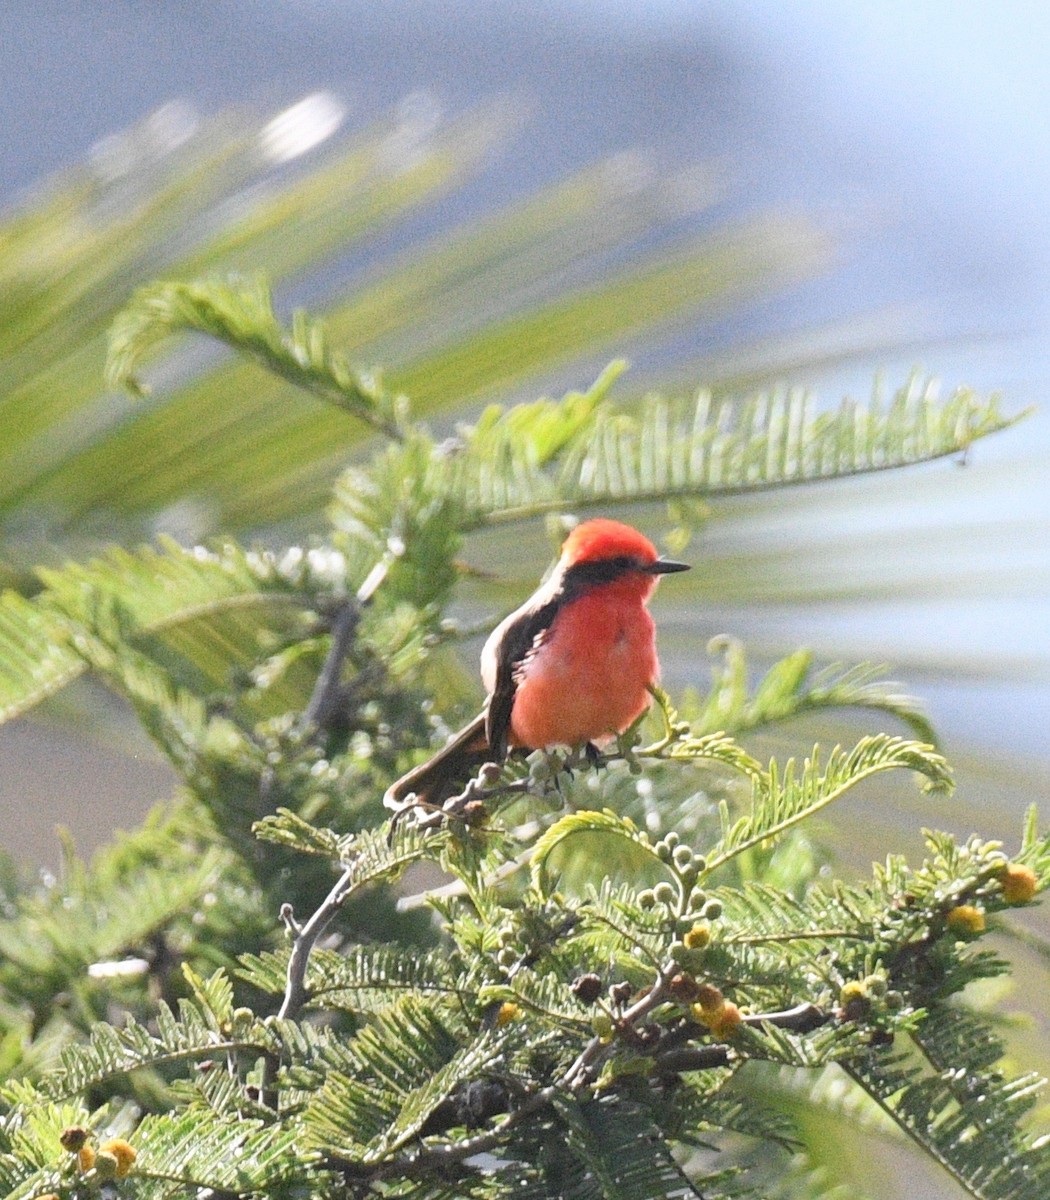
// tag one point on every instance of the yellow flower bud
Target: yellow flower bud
(85, 1158)
(852, 991)
(1019, 883)
(720, 1015)
(508, 1011)
(122, 1152)
(697, 938)
(966, 920)
(727, 1021)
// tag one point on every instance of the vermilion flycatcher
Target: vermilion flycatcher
(573, 665)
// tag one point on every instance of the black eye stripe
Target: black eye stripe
(604, 570)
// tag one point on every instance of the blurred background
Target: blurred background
(493, 200)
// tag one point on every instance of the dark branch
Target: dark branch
(325, 699)
(803, 1018)
(323, 705)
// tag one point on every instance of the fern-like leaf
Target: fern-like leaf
(779, 803)
(398, 1069)
(211, 607)
(604, 823)
(546, 996)
(112, 1052)
(361, 979)
(286, 828)
(241, 315)
(35, 661)
(622, 1154)
(101, 915)
(790, 688)
(199, 1150)
(967, 1120)
(662, 449)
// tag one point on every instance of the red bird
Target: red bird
(573, 665)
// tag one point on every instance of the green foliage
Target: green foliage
(357, 979)
(243, 317)
(221, 446)
(404, 1064)
(601, 950)
(780, 801)
(113, 1052)
(515, 465)
(189, 1150)
(969, 1124)
(791, 688)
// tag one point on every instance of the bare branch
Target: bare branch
(295, 993)
(324, 700)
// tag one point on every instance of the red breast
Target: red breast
(589, 678)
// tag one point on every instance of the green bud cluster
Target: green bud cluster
(666, 846)
(686, 863)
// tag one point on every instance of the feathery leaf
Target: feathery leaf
(241, 315)
(605, 823)
(778, 803)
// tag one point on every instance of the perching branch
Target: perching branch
(319, 711)
(324, 700)
(295, 995)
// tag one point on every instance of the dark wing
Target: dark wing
(438, 778)
(520, 639)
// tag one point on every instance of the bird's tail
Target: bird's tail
(447, 772)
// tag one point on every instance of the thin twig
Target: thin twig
(295, 993)
(803, 1018)
(306, 936)
(324, 699)
(793, 935)
(683, 1059)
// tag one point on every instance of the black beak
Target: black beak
(666, 566)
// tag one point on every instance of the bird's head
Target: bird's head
(602, 551)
